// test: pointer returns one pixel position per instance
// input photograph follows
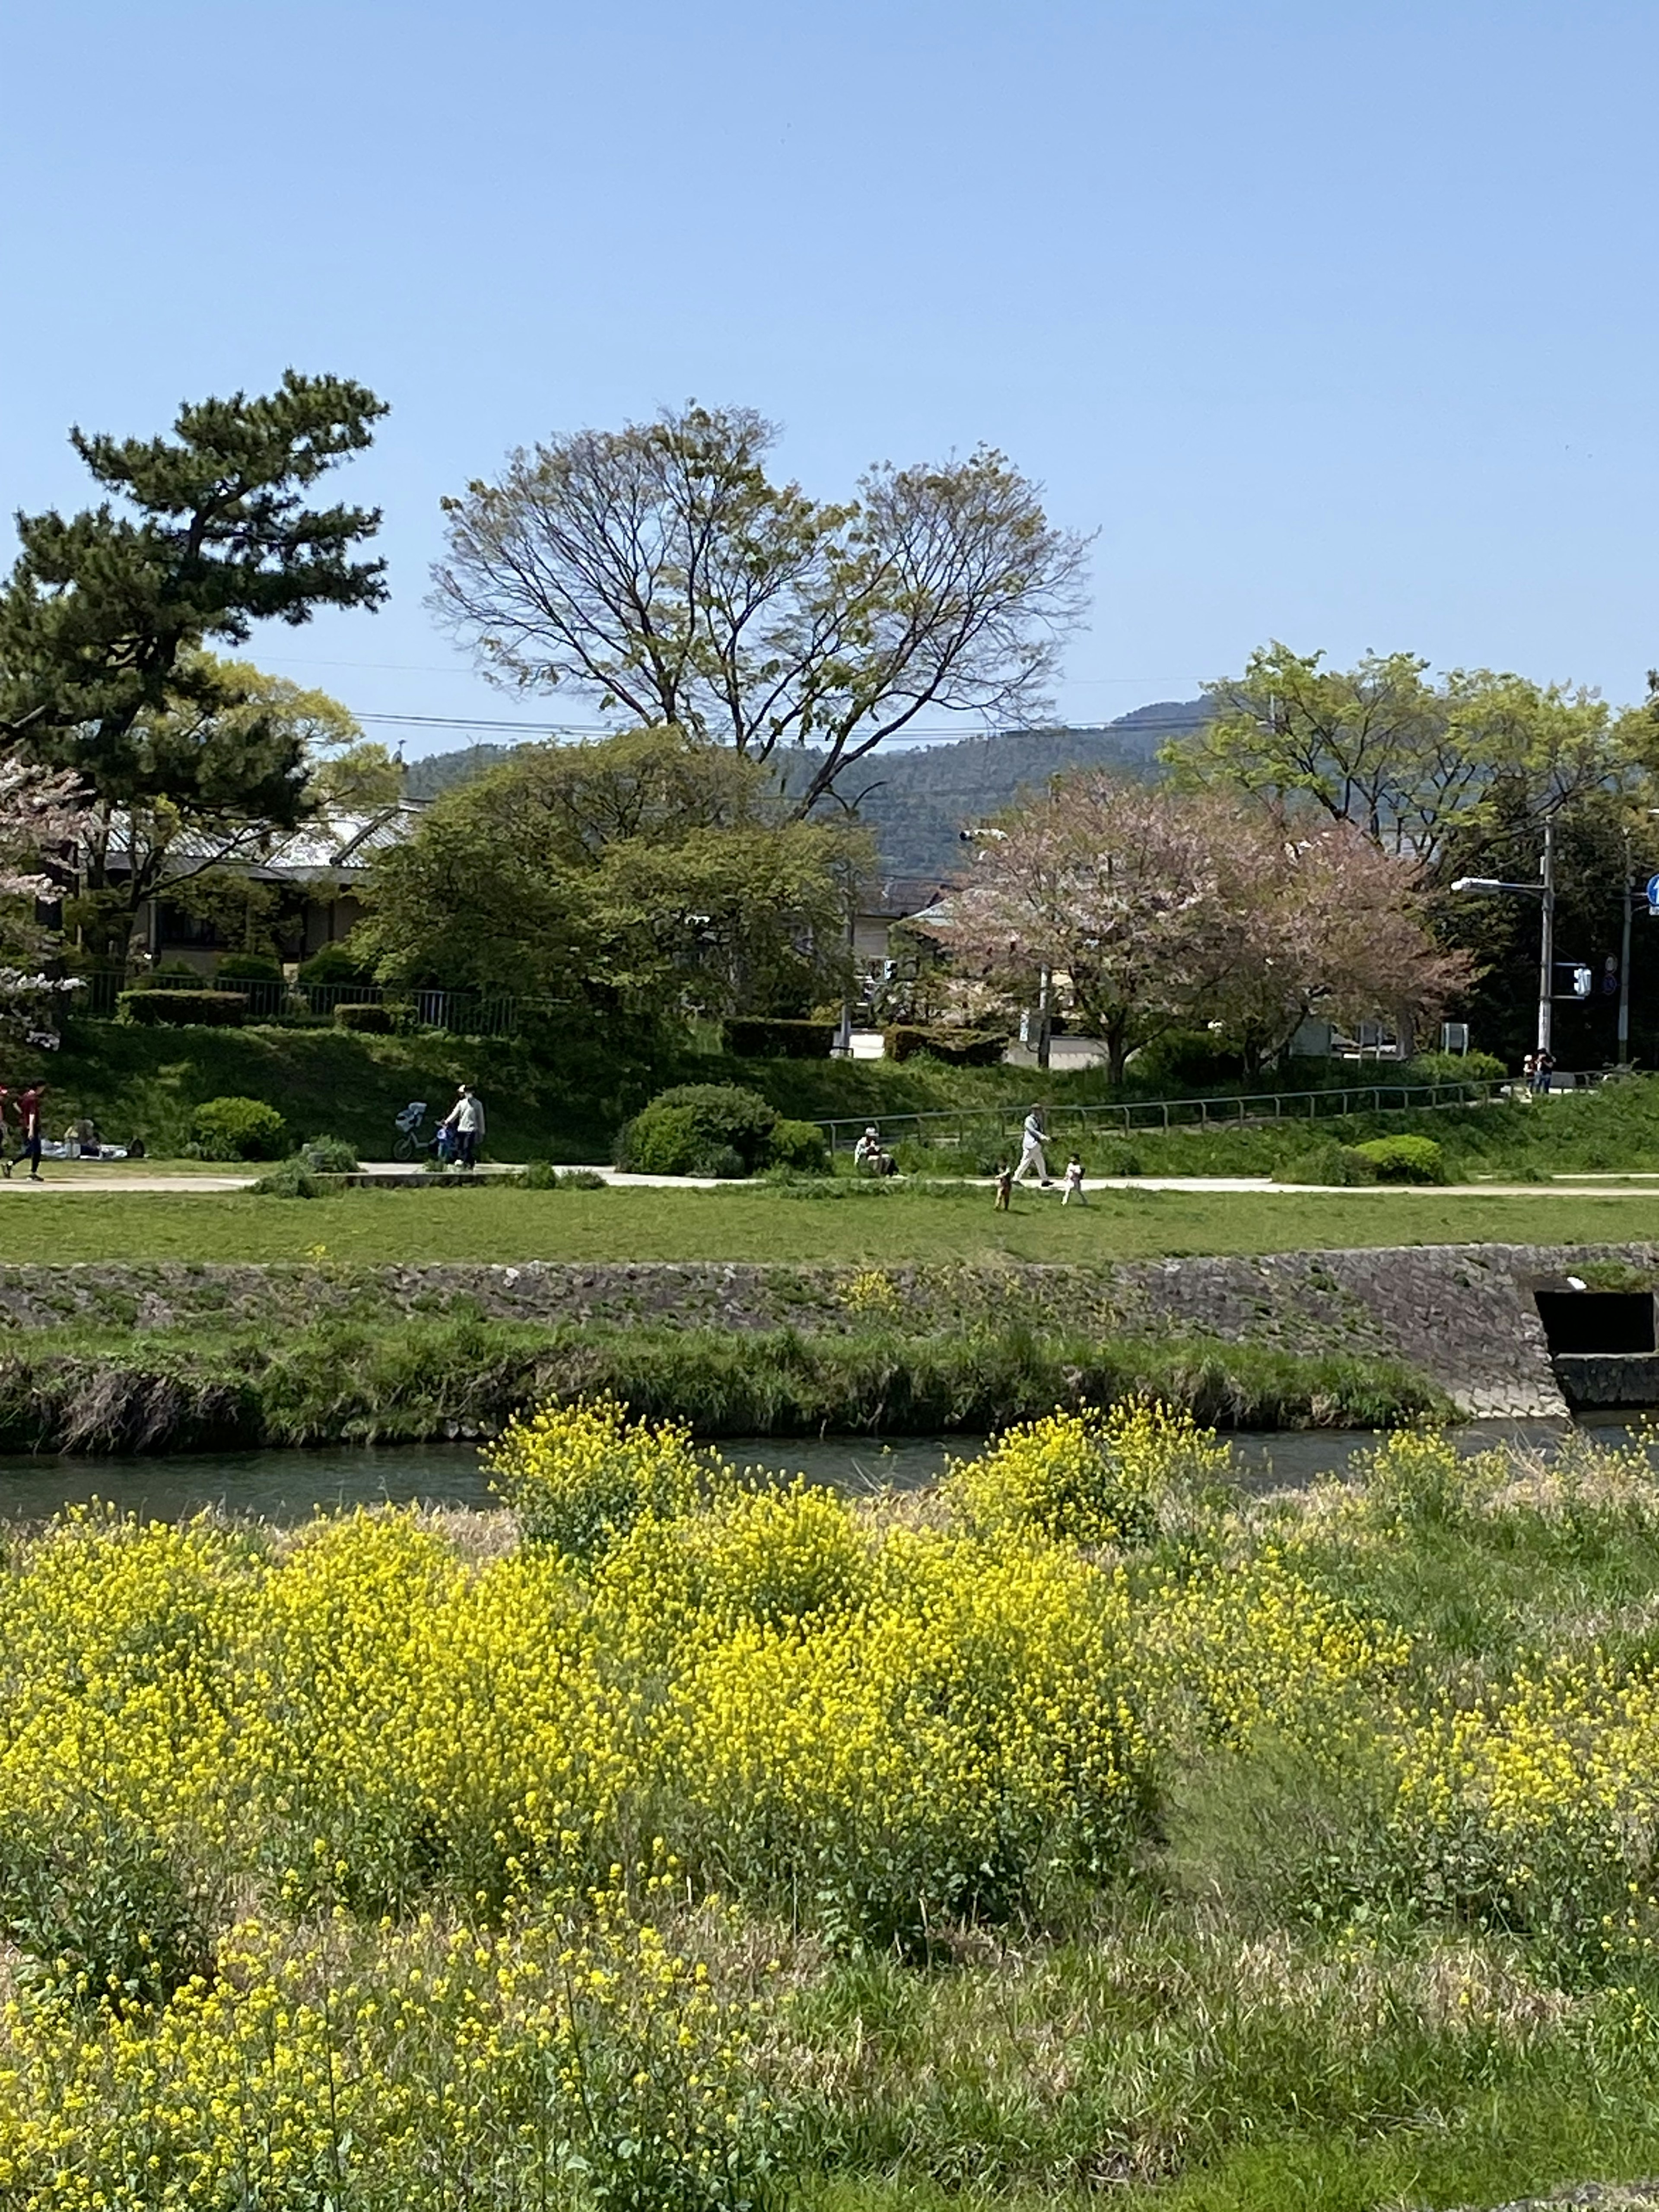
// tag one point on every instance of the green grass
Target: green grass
(350, 1380)
(766, 1224)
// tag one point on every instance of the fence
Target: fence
(464, 1013)
(1237, 1111)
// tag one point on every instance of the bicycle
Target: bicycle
(412, 1139)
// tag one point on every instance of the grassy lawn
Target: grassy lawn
(880, 1228)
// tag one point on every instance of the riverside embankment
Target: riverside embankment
(107, 1357)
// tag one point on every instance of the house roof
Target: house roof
(328, 845)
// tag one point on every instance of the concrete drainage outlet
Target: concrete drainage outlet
(1602, 1345)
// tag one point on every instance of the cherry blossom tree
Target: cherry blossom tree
(1154, 909)
(1107, 884)
(41, 811)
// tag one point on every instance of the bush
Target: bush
(959, 1048)
(1327, 1162)
(1184, 1060)
(698, 1128)
(1405, 1159)
(176, 975)
(328, 1156)
(753, 1039)
(248, 968)
(182, 1007)
(1455, 1067)
(799, 1145)
(334, 964)
(541, 1175)
(371, 1019)
(239, 1129)
(288, 1179)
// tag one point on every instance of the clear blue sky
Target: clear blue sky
(1338, 321)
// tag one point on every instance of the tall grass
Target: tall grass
(406, 1378)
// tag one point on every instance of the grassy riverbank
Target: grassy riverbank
(410, 1379)
(1088, 1831)
(865, 1222)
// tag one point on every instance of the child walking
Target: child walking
(1073, 1182)
(1005, 1187)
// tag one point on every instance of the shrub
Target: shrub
(541, 1175)
(178, 1007)
(288, 1179)
(698, 1128)
(800, 1146)
(248, 968)
(1455, 1067)
(1183, 1061)
(1405, 1159)
(239, 1129)
(961, 1048)
(371, 1019)
(328, 1156)
(334, 963)
(176, 975)
(1327, 1162)
(752, 1039)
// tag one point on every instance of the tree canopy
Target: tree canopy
(658, 570)
(104, 619)
(1421, 767)
(1156, 908)
(651, 871)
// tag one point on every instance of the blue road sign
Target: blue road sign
(1653, 894)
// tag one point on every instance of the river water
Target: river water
(286, 1486)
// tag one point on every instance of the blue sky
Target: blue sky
(1338, 321)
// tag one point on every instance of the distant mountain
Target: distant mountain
(918, 800)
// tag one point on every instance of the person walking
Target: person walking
(5, 1132)
(1073, 1182)
(467, 1118)
(1543, 1068)
(28, 1127)
(1032, 1153)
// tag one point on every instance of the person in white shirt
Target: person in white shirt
(1031, 1154)
(467, 1118)
(868, 1149)
(1073, 1182)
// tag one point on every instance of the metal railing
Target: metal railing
(461, 1013)
(1240, 1109)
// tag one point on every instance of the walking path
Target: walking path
(63, 1176)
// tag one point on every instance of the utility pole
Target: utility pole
(1546, 938)
(1624, 963)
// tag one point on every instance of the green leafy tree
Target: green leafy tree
(651, 872)
(1417, 765)
(105, 617)
(658, 570)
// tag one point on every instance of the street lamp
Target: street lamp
(1544, 890)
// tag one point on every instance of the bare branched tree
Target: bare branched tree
(657, 570)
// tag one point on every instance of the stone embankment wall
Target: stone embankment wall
(1463, 1315)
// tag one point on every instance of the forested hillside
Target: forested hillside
(918, 800)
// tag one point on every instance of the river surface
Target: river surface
(286, 1486)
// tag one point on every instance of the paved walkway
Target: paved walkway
(70, 1175)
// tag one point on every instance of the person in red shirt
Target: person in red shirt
(28, 1127)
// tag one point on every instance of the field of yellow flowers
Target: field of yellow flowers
(679, 1837)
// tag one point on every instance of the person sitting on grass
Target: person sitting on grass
(867, 1151)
